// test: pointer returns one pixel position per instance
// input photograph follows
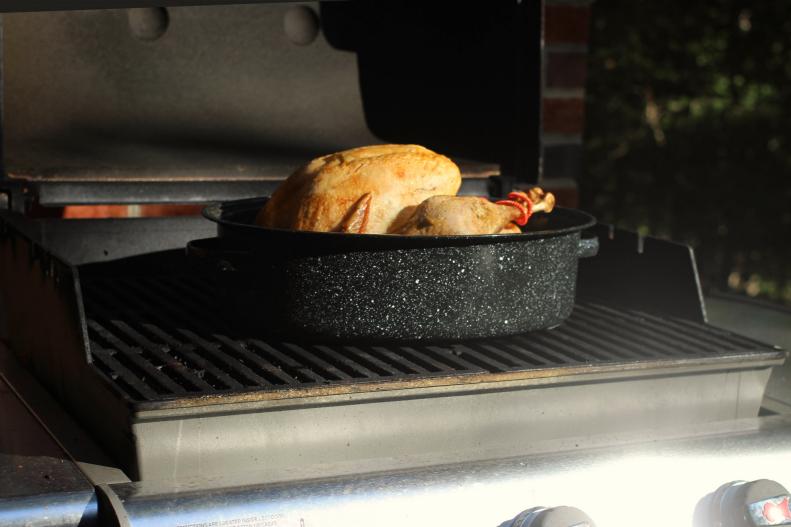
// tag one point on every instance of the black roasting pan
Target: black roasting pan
(389, 287)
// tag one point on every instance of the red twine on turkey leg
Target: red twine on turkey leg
(523, 203)
(522, 198)
(522, 219)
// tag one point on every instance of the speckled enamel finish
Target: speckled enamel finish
(465, 291)
(392, 290)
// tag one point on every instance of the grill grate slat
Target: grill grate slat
(509, 360)
(224, 362)
(121, 373)
(399, 360)
(712, 339)
(372, 362)
(557, 351)
(354, 368)
(479, 359)
(681, 341)
(534, 359)
(184, 367)
(296, 370)
(606, 329)
(278, 376)
(156, 337)
(314, 362)
(445, 357)
(737, 340)
(614, 346)
(180, 374)
(133, 355)
(635, 326)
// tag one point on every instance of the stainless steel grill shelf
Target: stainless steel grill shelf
(157, 338)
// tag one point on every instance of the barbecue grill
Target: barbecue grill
(137, 400)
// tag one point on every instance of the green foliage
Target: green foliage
(687, 133)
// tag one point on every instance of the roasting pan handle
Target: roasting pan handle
(588, 247)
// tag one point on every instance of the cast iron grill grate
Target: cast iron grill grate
(157, 338)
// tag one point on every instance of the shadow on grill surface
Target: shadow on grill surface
(156, 334)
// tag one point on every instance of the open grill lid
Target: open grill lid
(197, 104)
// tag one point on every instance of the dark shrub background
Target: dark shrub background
(688, 135)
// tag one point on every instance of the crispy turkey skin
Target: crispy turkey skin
(328, 193)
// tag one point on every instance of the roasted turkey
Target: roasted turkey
(361, 190)
(393, 189)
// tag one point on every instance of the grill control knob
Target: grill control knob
(551, 517)
(745, 504)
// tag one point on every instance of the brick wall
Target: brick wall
(566, 31)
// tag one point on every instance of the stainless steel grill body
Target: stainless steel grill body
(148, 364)
(656, 484)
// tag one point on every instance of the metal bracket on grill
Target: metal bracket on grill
(642, 273)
